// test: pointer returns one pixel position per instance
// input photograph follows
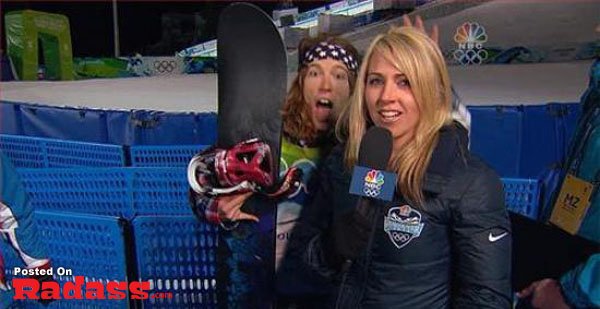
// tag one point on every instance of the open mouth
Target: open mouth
(322, 112)
(325, 103)
(390, 115)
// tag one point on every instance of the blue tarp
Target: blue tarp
(135, 127)
(522, 141)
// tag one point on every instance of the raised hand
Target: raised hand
(435, 31)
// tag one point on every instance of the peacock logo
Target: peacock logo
(470, 37)
(375, 177)
(374, 180)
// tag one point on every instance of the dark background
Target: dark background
(151, 28)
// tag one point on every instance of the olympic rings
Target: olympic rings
(401, 237)
(470, 56)
(372, 192)
(165, 66)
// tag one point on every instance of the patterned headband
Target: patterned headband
(333, 51)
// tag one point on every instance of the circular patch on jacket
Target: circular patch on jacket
(402, 224)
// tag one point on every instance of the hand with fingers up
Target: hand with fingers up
(435, 31)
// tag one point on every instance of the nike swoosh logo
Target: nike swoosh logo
(493, 238)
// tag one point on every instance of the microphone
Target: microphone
(352, 229)
(370, 178)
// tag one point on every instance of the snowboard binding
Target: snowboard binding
(245, 167)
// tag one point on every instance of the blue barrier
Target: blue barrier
(64, 123)
(509, 138)
(522, 196)
(540, 145)
(130, 192)
(101, 191)
(134, 127)
(547, 130)
(122, 192)
(163, 156)
(142, 127)
(521, 141)
(36, 152)
(160, 191)
(10, 119)
(496, 134)
(90, 246)
(177, 255)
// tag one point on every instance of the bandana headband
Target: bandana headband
(333, 51)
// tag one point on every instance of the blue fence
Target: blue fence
(89, 246)
(517, 141)
(163, 156)
(522, 196)
(123, 192)
(36, 152)
(173, 250)
(177, 256)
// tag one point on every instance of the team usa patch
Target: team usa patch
(402, 224)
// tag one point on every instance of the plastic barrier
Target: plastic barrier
(522, 196)
(159, 191)
(177, 256)
(517, 141)
(101, 191)
(121, 192)
(36, 152)
(163, 156)
(129, 192)
(89, 246)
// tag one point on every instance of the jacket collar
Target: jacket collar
(449, 153)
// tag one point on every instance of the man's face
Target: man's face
(326, 84)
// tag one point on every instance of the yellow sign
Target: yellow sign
(572, 204)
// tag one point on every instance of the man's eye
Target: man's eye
(341, 76)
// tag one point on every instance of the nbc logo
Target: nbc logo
(373, 182)
(470, 38)
(374, 177)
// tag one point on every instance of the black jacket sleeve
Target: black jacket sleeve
(481, 244)
(308, 237)
(331, 229)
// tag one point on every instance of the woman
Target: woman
(444, 241)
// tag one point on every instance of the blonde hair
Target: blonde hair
(418, 57)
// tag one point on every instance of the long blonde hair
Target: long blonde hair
(418, 57)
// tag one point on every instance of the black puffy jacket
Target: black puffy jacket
(452, 252)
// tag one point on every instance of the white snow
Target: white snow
(552, 24)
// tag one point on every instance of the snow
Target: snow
(549, 25)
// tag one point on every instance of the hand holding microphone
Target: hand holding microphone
(352, 230)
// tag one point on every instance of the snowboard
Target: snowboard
(252, 84)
